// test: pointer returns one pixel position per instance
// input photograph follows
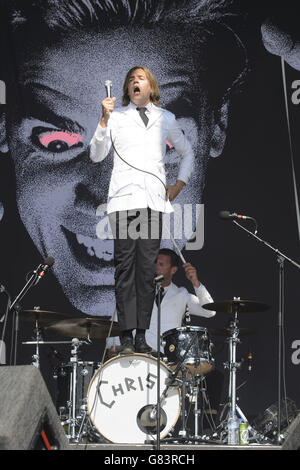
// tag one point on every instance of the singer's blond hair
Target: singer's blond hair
(155, 94)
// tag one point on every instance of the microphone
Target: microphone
(226, 215)
(42, 269)
(108, 86)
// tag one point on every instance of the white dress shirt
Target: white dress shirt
(173, 307)
(144, 148)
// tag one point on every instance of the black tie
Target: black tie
(162, 293)
(142, 112)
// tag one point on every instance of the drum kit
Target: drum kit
(113, 401)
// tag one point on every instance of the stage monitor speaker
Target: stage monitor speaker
(28, 418)
(292, 435)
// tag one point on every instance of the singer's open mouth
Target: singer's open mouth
(91, 253)
(136, 90)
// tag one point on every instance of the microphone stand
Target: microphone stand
(16, 307)
(281, 258)
(158, 282)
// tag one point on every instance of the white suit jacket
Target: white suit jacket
(173, 307)
(144, 148)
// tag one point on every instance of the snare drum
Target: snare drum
(198, 358)
(119, 395)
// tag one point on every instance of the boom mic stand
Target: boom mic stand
(281, 258)
(16, 307)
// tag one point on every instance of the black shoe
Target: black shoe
(141, 346)
(127, 346)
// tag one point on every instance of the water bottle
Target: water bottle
(233, 430)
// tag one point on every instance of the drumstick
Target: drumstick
(176, 247)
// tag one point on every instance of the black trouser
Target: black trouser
(137, 235)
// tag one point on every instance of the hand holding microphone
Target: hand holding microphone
(108, 104)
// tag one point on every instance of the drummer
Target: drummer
(177, 303)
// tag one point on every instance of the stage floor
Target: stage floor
(171, 447)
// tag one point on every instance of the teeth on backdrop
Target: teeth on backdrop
(102, 249)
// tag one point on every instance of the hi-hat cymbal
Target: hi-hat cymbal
(43, 316)
(227, 332)
(92, 327)
(239, 306)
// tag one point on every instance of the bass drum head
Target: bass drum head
(118, 396)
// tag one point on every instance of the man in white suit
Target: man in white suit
(138, 194)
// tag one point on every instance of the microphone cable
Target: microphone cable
(136, 168)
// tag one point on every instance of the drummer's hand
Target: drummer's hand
(113, 351)
(191, 274)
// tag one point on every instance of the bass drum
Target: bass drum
(119, 396)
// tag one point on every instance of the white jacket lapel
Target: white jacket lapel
(154, 115)
(133, 114)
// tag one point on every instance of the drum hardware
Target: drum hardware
(190, 349)
(267, 421)
(199, 359)
(183, 431)
(70, 411)
(41, 316)
(72, 422)
(281, 258)
(199, 410)
(36, 315)
(15, 306)
(234, 307)
(93, 327)
(181, 367)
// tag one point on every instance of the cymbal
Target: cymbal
(91, 327)
(43, 316)
(241, 306)
(227, 332)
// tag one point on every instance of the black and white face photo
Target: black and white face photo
(231, 75)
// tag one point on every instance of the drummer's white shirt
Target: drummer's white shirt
(173, 308)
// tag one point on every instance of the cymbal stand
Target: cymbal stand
(38, 338)
(233, 365)
(183, 432)
(72, 421)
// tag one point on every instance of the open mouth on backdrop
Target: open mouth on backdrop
(92, 253)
